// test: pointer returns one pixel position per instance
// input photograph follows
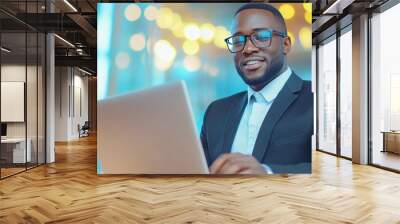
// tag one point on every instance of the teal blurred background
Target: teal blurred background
(146, 44)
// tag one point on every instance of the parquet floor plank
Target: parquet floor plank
(70, 191)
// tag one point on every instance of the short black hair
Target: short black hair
(267, 7)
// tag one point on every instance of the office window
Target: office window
(327, 97)
(385, 87)
(346, 94)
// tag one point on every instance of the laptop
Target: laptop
(149, 132)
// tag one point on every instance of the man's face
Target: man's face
(254, 65)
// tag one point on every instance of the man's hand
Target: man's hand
(236, 163)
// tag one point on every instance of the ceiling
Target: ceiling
(75, 23)
(331, 15)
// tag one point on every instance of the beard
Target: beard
(271, 72)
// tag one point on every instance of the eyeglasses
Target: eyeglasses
(260, 38)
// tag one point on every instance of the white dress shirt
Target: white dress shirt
(258, 104)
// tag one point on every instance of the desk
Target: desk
(18, 151)
(391, 141)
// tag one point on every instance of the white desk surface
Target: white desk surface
(13, 140)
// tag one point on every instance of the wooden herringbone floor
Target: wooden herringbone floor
(70, 191)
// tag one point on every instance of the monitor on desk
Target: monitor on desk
(3, 129)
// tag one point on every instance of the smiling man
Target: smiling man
(266, 129)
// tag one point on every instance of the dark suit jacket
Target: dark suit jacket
(284, 139)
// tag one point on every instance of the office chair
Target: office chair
(84, 130)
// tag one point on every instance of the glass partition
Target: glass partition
(346, 94)
(14, 153)
(31, 100)
(385, 90)
(22, 88)
(327, 97)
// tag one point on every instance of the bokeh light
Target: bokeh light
(307, 7)
(190, 47)
(177, 29)
(305, 37)
(192, 63)
(137, 42)
(150, 13)
(132, 12)
(207, 32)
(122, 60)
(220, 34)
(287, 11)
(192, 31)
(164, 49)
(177, 26)
(308, 17)
(164, 18)
(165, 55)
(176, 18)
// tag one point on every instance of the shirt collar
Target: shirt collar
(272, 89)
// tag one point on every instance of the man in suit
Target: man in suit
(266, 129)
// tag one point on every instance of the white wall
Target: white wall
(79, 117)
(12, 73)
(12, 101)
(70, 83)
(61, 103)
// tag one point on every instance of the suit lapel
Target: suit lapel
(235, 113)
(287, 95)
